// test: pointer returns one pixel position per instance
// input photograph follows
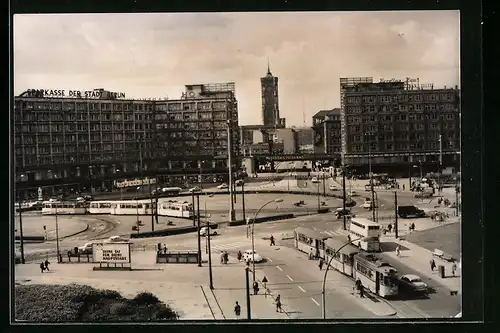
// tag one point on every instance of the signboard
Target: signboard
(89, 94)
(118, 253)
(134, 182)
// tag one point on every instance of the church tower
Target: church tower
(270, 104)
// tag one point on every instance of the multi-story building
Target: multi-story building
(327, 125)
(270, 101)
(305, 139)
(395, 123)
(88, 140)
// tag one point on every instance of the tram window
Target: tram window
(329, 251)
(337, 255)
(358, 224)
(139, 206)
(347, 258)
(373, 227)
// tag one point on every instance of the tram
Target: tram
(307, 240)
(63, 208)
(100, 207)
(172, 208)
(360, 227)
(376, 275)
(131, 207)
(343, 260)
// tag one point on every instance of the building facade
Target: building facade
(83, 141)
(397, 123)
(270, 101)
(327, 126)
(305, 139)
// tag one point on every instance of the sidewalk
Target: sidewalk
(418, 258)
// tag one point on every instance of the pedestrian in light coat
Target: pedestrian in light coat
(398, 251)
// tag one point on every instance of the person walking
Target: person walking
(239, 255)
(412, 226)
(403, 187)
(42, 267)
(47, 263)
(320, 264)
(222, 257)
(278, 303)
(237, 310)
(398, 252)
(272, 241)
(453, 268)
(433, 264)
(226, 257)
(255, 288)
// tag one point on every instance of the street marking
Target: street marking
(315, 301)
(289, 278)
(278, 267)
(269, 259)
(302, 289)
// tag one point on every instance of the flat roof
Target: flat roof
(364, 221)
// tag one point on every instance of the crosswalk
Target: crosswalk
(243, 246)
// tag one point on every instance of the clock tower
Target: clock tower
(270, 105)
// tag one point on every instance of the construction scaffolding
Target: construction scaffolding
(346, 82)
(219, 87)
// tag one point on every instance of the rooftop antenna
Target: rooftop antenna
(268, 67)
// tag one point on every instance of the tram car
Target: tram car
(376, 275)
(307, 240)
(63, 208)
(343, 253)
(172, 208)
(100, 207)
(131, 207)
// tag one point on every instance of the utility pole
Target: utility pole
(232, 214)
(371, 177)
(324, 184)
(199, 236)
(319, 203)
(21, 236)
(343, 197)
(194, 209)
(457, 191)
(249, 312)
(440, 162)
(57, 238)
(243, 200)
(396, 214)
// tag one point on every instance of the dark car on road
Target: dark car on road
(410, 211)
(340, 213)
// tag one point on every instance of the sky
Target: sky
(153, 55)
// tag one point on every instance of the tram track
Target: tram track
(406, 310)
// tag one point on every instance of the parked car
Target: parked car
(203, 232)
(314, 180)
(367, 204)
(410, 211)
(239, 182)
(248, 254)
(332, 187)
(85, 249)
(412, 283)
(222, 186)
(194, 189)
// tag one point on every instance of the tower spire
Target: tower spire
(268, 67)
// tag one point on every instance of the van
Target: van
(410, 211)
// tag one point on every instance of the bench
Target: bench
(440, 254)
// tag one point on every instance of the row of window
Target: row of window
(403, 146)
(402, 136)
(403, 97)
(118, 106)
(401, 117)
(400, 108)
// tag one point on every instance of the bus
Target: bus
(364, 228)
(376, 275)
(307, 240)
(343, 260)
(171, 191)
(63, 208)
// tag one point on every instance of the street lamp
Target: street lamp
(57, 237)
(232, 214)
(328, 266)
(137, 203)
(253, 233)
(21, 236)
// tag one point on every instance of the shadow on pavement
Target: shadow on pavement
(391, 247)
(408, 297)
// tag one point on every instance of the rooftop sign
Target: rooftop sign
(60, 93)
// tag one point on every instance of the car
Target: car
(410, 211)
(203, 231)
(412, 283)
(340, 212)
(80, 199)
(194, 189)
(222, 186)
(314, 180)
(251, 255)
(332, 187)
(85, 249)
(239, 182)
(367, 204)
(116, 239)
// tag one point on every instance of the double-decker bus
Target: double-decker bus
(360, 227)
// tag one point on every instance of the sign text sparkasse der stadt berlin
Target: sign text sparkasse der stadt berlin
(73, 93)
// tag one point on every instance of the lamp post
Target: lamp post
(21, 236)
(396, 214)
(194, 210)
(243, 200)
(199, 236)
(232, 215)
(211, 280)
(371, 174)
(253, 233)
(137, 203)
(206, 216)
(327, 268)
(318, 195)
(57, 237)
(343, 197)
(440, 164)
(247, 282)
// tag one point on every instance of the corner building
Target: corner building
(394, 125)
(77, 144)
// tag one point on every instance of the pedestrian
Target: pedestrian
(42, 267)
(272, 241)
(164, 248)
(237, 310)
(453, 267)
(398, 252)
(348, 238)
(320, 265)
(361, 290)
(47, 263)
(239, 255)
(311, 255)
(226, 257)
(403, 187)
(278, 303)
(255, 288)
(412, 226)
(433, 264)
(222, 257)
